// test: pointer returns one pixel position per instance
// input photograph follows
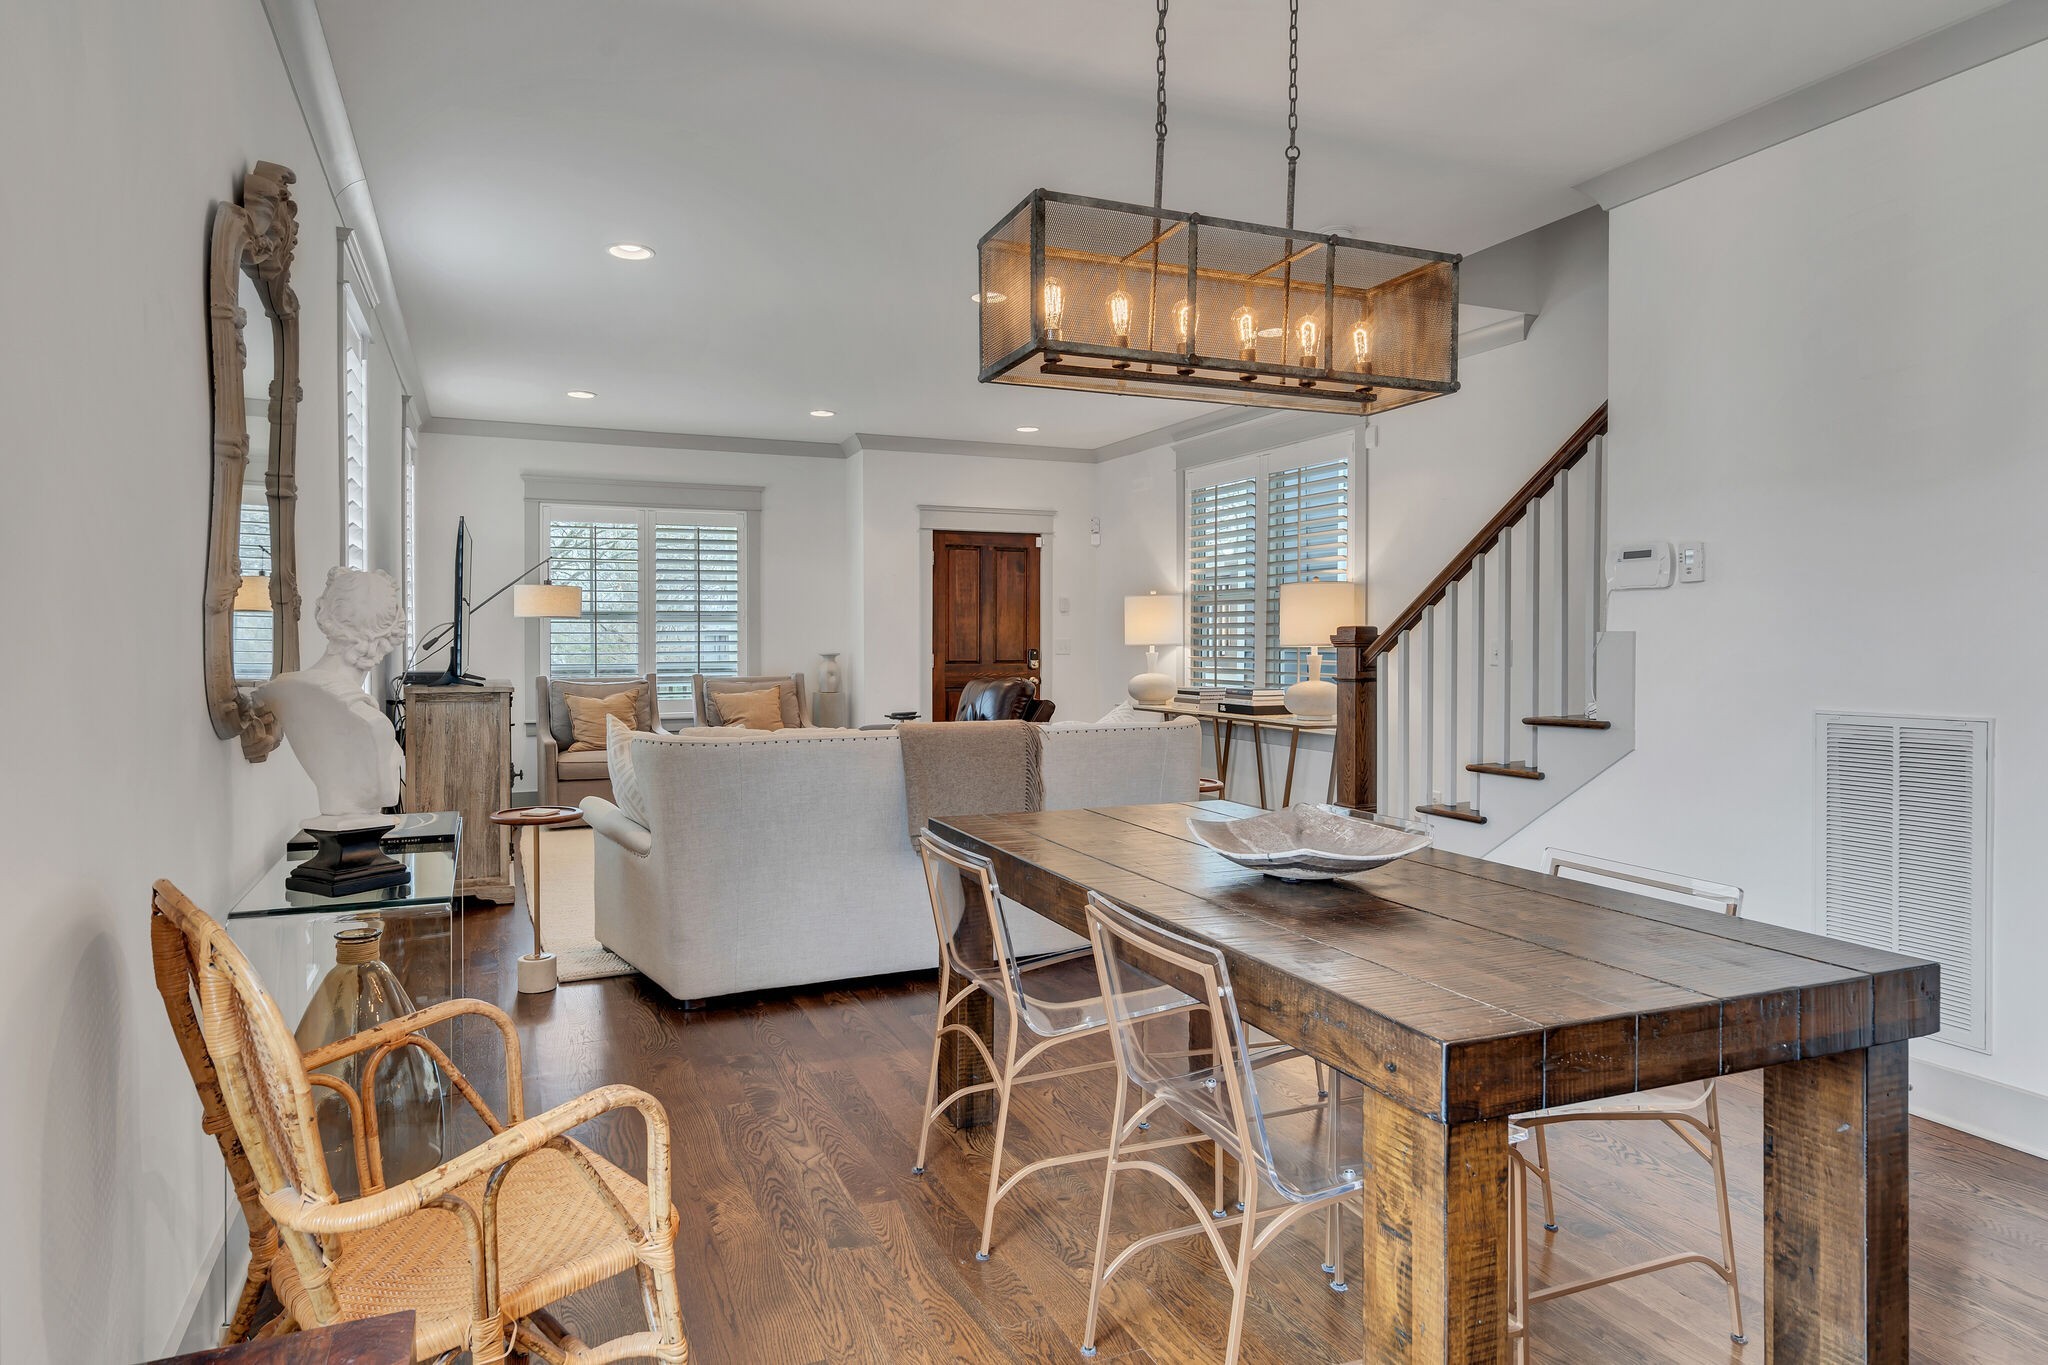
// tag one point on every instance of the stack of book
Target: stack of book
(1253, 701)
(1198, 696)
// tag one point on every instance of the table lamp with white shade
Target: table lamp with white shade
(1310, 613)
(1152, 620)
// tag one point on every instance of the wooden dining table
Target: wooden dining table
(1461, 992)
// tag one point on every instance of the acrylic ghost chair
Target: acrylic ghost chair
(1697, 1122)
(1045, 1000)
(1291, 1161)
(479, 1246)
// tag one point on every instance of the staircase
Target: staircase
(1498, 691)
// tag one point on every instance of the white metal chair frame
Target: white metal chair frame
(943, 859)
(1217, 1008)
(1697, 1122)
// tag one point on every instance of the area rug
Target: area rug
(568, 907)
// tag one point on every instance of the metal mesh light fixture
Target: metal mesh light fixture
(1081, 293)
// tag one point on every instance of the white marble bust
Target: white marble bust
(341, 738)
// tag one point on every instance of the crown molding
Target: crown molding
(613, 436)
(302, 45)
(988, 450)
(1920, 63)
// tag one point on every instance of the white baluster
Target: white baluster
(1566, 654)
(1596, 556)
(1428, 661)
(1510, 648)
(1480, 568)
(1454, 771)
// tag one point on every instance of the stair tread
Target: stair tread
(1527, 771)
(1466, 813)
(1569, 722)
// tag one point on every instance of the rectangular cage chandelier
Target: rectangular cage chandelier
(1080, 293)
(1092, 294)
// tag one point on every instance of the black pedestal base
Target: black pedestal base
(348, 862)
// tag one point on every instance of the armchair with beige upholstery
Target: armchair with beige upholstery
(566, 778)
(478, 1247)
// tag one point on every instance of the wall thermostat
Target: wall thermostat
(1644, 565)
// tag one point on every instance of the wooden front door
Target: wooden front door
(984, 611)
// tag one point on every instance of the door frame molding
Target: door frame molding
(1017, 520)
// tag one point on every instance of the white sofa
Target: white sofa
(783, 859)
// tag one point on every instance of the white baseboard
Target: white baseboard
(1991, 1110)
(199, 1298)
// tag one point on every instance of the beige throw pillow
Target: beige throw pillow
(618, 745)
(760, 710)
(586, 718)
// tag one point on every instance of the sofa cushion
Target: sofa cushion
(618, 743)
(761, 710)
(585, 765)
(559, 692)
(589, 715)
(716, 689)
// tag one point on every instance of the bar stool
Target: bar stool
(1697, 1122)
(1156, 982)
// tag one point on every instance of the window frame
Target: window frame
(355, 429)
(409, 529)
(1259, 467)
(656, 498)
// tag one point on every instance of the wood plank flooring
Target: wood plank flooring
(805, 1238)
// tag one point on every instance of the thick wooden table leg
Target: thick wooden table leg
(1835, 1209)
(1436, 1209)
(960, 1064)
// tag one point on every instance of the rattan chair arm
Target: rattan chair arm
(318, 1218)
(515, 1088)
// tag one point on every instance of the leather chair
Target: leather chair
(1002, 699)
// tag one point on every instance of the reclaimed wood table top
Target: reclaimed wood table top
(1468, 990)
(385, 1340)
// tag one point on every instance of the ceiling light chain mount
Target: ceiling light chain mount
(1069, 282)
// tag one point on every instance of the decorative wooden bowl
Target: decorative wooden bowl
(1307, 843)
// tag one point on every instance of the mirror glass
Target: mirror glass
(255, 630)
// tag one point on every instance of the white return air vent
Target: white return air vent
(1905, 856)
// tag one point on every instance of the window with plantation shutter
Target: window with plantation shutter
(1308, 533)
(1254, 524)
(1223, 583)
(663, 593)
(409, 535)
(355, 434)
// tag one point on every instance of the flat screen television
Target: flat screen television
(452, 675)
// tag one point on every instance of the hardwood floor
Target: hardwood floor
(805, 1238)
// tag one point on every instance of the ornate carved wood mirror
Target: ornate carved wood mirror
(252, 590)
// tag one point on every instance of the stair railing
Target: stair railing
(1525, 598)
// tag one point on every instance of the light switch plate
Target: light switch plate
(1063, 646)
(1692, 562)
(1065, 606)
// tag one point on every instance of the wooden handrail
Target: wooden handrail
(1568, 454)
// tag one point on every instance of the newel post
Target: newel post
(1357, 752)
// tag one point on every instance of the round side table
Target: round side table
(537, 968)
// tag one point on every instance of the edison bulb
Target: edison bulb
(1361, 346)
(1120, 317)
(1246, 324)
(1184, 321)
(1308, 334)
(1055, 295)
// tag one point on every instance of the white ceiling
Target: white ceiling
(814, 173)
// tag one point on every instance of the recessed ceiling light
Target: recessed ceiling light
(990, 297)
(630, 251)
(581, 393)
(823, 412)
(1027, 430)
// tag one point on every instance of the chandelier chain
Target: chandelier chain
(1159, 118)
(1293, 100)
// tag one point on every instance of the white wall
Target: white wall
(1444, 467)
(893, 669)
(1830, 363)
(126, 123)
(806, 594)
(1441, 469)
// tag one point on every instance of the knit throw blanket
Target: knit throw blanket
(981, 767)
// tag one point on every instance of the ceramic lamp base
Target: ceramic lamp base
(1151, 689)
(1313, 699)
(537, 973)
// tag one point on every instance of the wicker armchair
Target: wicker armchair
(477, 1247)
